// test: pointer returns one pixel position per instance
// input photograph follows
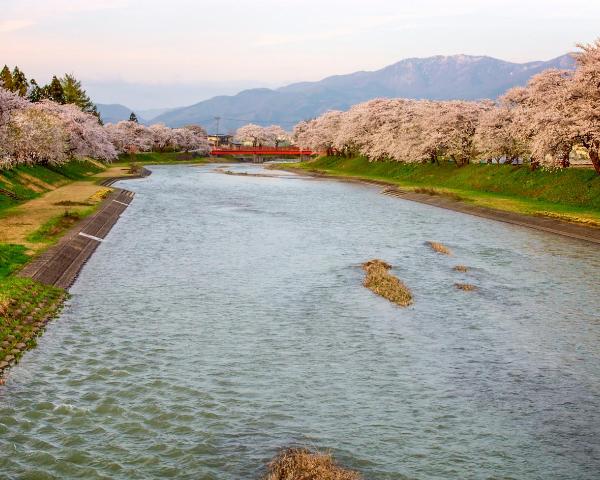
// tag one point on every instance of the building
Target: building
(220, 140)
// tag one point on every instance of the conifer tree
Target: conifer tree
(133, 117)
(54, 91)
(19, 82)
(74, 93)
(36, 93)
(6, 78)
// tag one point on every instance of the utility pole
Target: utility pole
(217, 120)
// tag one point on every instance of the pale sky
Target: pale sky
(157, 53)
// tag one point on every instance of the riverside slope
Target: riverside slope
(60, 265)
(547, 224)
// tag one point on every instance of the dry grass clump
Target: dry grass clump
(381, 282)
(467, 287)
(440, 248)
(303, 464)
(433, 191)
(460, 268)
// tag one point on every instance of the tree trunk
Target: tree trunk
(593, 152)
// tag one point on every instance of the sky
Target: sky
(166, 53)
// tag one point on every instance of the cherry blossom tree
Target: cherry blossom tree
(502, 130)
(190, 138)
(584, 101)
(86, 137)
(252, 133)
(130, 137)
(35, 136)
(275, 135)
(319, 135)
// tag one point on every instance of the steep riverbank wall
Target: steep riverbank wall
(60, 265)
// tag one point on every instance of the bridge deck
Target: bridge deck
(260, 151)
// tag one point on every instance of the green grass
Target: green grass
(570, 193)
(12, 257)
(54, 228)
(25, 307)
(153, 158)
(14, 184)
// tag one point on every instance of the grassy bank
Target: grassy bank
(38, 204)
(162, 158)
(570, 194)
(24, 183)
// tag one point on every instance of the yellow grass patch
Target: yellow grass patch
(460, 268)
(303, 464)
(440, 248)
(17, 223)
(467, 287)
(35, 184)
(5, 180)
(114, 171)
(571, 218)
(100, 195)
(380, 281)
(4, 304)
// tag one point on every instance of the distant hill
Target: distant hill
(437, 78)
(115, 112)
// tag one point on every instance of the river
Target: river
(224, 318)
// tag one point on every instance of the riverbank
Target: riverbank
(33, 287)
(565, 202)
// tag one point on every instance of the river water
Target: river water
(223, 318)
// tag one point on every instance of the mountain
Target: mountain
(115, 112)
(437, 78)
(151, 113)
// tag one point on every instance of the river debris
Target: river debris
(304, 464)
(439, 247)
(461, 268)
(380, 281)
(243, 174)
(467, 287)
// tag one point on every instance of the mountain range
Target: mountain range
(437, 78)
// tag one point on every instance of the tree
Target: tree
(10, 102)
(549, 113)
(276, 135)
(36, 136)
(133, 117)
(501, 132)
(6, 80)
(252, 133)
(36, 93)
(130, 137)
(85, 136)
(75, 94)
(54, 91)
(584, 101)
(320, 134)
(19, 82)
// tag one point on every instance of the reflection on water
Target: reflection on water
(224, 318)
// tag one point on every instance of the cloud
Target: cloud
(13, 25)
(25, 13)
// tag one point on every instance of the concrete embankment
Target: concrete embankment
(28, 306)
(60, 265)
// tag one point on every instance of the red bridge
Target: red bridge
(261, 151)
